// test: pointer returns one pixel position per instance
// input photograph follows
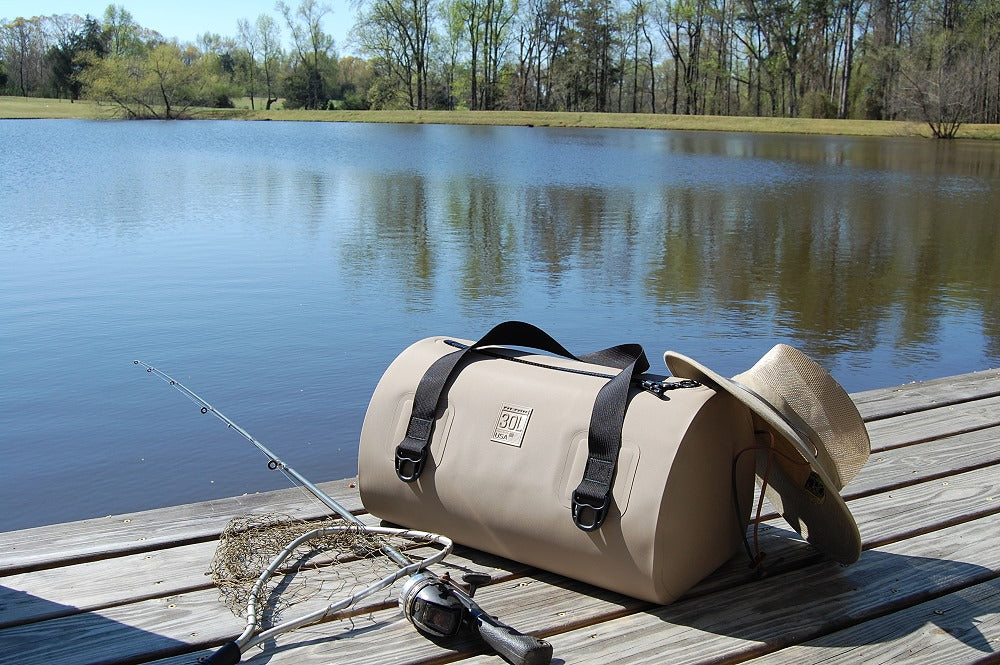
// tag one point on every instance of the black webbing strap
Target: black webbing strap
(593, 497)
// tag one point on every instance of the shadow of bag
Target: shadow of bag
(585, 466)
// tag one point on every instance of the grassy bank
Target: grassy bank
(34, 107)
(19, 107)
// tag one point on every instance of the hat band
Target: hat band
(780, 415)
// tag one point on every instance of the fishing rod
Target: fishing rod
(434, 605)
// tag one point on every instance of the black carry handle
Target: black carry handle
(228, 654)
(592, 498)
(514, 646)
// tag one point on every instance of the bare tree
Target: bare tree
(935, 84)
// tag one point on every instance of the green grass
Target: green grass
(20, 107)
(36, 107)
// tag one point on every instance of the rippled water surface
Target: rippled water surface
(277, 268)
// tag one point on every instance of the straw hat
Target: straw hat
(819, 436)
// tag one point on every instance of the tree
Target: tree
(358, 75)
(982, 29)
(886, 59)
(270, 54)
(23, 47)
(548, 32)
(250, 40)
(471, 13)
(453, 45)
(638, 38)
(157, 83)
(784, 24)
(497, 19)
(309, 84)
(122, 34)
(935, 83)
(397, 34)
(843, 103)
(67, 57)
(681, 24)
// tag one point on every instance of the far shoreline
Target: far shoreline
(44, 108)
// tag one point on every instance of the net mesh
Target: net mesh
(333, 564)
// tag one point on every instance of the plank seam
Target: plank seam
(903, 411)
(884, 489)
(936, 437)
(146, 546)
(937, 526)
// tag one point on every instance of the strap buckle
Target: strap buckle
(588, 514)
(410, 463)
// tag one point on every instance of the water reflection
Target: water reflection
(871, 241)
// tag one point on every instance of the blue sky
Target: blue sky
(186, 19)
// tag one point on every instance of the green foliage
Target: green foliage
(313, 74)
(157, 83)
(67, 60)
(816, 104)
(222, 101)
(355, 101)
(306, 88)
(122, 34)
(397, 35)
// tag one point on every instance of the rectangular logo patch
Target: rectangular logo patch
(511, 423)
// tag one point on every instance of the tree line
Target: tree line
(931, 60)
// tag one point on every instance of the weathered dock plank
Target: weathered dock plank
(73, 589)
(86, 540)
(882, 519)
(935, 423)
(588, 625)
(930, 459)
(765, 616)
(54, 592)
(935, 393)
(959, 627)
(132, 589)
(914, 509)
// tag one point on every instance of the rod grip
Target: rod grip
(228, 654)
(511, 644)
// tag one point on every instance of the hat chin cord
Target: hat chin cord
(755, 553)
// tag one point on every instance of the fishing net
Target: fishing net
(335, 562)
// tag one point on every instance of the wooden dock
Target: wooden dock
(132, 588)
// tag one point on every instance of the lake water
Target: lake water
(277, 268)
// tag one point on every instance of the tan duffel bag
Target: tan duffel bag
(582, 466)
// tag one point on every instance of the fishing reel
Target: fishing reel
(436, 607)
(439, 608)
(431, 606)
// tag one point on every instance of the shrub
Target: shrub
(817, 104)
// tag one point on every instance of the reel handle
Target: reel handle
(511, 644)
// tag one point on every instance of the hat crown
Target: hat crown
(815, 406)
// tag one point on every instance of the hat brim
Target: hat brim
(825, 522)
